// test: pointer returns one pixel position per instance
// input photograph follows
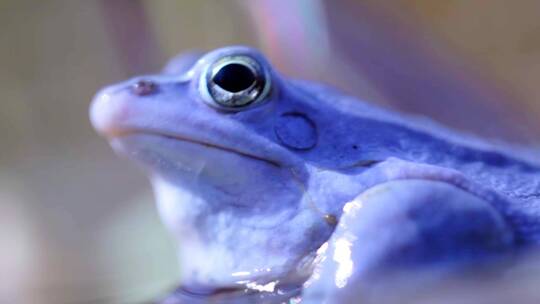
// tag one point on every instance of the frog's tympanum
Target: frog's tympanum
(282, 187)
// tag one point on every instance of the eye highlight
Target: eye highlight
(234, 82)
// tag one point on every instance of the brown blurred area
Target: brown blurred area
(78, 223)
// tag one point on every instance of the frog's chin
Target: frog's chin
(219, 176)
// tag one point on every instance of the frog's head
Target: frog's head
(224, 143)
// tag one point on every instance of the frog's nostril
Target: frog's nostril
(143, 87)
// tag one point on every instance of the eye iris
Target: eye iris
(234, 77)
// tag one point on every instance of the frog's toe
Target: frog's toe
(408, 225)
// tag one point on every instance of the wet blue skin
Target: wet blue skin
(252, 194)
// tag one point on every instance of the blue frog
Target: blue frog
(272, 184)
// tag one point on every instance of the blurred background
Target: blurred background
(78, 224)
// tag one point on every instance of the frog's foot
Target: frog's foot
(403, 225)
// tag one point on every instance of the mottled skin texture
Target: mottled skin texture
(250, 194)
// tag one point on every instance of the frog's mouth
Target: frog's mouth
(122, 133)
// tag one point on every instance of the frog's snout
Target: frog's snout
(100, 114)
(111, 106)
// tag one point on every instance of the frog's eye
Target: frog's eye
(234, 82)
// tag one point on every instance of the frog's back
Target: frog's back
(511, 172)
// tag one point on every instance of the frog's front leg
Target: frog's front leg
(404, 225)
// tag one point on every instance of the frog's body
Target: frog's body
(253, 191)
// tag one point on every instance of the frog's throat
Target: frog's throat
(329, 218)
(133, 131)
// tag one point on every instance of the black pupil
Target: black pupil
(234, 77)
